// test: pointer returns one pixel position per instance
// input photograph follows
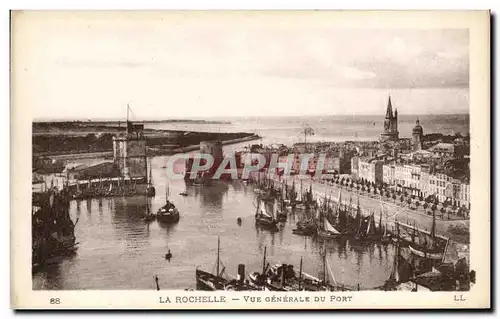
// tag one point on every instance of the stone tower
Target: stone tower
(417, 136)
(390, 124)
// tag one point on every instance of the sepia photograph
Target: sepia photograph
(247, 159)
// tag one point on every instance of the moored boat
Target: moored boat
(328, 231)
(265, 219)
(430, 248)
(208, 281)
(168, 213)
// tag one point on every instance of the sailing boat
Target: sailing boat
(168, 213)
(150, 191)
(264, 218)
(287, 203)
(328, 231)
(394, 278)
(385, 236)
(367, 229)
(299, 201)
(430, 249)
(282, 214)
(210, 282)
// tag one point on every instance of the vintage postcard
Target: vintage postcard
(250, 159)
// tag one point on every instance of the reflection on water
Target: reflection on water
(118, 250)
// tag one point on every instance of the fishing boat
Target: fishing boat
(299, 202)
(150, 190)
(367, 229)
(183, 193)
(429, 249)
(394, 278)
(209, 282)
(168, 213)
(270, 279)
(304, 231)
(386, 238)
(286, 202)
(328, 231)
(240, 283)
(281, 214)
(265, 219)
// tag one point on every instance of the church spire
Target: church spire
(388, 114)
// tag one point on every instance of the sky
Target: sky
(91, 66)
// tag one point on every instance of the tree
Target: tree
(409, 201)
(402, 199)
(426, 205)
(394, 196)
(417, 203)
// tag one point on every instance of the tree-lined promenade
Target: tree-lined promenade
(403, 207)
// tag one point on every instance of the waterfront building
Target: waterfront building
(440, 186)
(370, 169)
(407, 178)
(463, 198)
(417, 136)
(391, 132)
(388, 174)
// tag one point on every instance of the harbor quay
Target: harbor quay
(375, 204)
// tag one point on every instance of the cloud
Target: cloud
(402, 51)
(449, 55)
(355, 74)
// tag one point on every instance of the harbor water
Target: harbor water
(118, 250)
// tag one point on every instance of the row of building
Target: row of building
(416, 179)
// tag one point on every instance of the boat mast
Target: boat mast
(264, 261)
(167, 192)
(300, 272)
(433, 229)
(150, 182)
(218, 253)
(128, 107)
(325, 278)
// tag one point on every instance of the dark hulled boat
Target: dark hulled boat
(209, 282)
(428, 246)
(168, 213)
(265, 219)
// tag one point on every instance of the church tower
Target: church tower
(390, 124)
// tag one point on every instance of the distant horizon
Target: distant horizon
(216, 117)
